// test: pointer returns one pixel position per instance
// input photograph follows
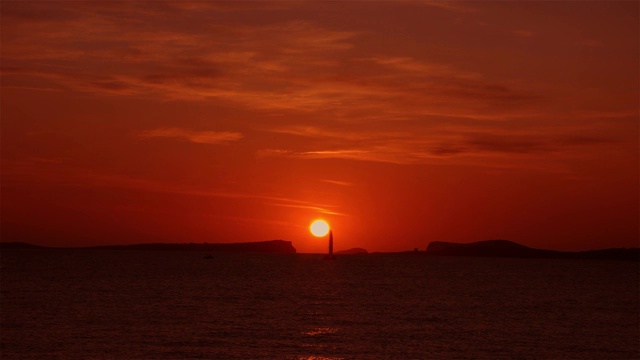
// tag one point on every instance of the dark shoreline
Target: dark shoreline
(272, 246)
(505, 248)
(488, 249)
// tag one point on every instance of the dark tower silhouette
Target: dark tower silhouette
(330, 256)
(330, 243)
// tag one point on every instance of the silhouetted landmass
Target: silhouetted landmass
(505, 248)
(19, 245)
(272, 246)
(353, 251)
(488, 248)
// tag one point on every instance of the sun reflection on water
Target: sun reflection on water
(320, 331)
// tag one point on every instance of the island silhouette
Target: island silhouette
(506, 248)
(270, 246)
(486, 248)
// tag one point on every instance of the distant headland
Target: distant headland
(271, 246)
(505, 248)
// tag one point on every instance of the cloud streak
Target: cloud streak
(200, 137)
(291, 66)
(337, 182)
(460, 148)
(324, 82)
(19, 172)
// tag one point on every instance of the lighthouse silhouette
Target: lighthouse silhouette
(330, 256)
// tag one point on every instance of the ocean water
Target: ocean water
(82, 304)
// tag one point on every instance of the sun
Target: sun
(319, 228)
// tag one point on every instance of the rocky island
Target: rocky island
(505, 248)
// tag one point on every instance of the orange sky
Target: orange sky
(399, 122)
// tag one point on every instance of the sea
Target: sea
(126, 304)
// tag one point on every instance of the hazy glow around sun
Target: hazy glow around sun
(319, 228)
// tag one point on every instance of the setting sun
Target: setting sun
(319, 228)
(493, 141)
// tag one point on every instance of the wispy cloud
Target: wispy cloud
(417, 68)
(202, 137)
(458, 148)
(372, 154)
(162, 56)
(337, 182)
(327, 84)
(455, 6)
(319, 209)
(33, 170)
(283, 66)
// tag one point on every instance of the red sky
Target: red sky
(399, 122)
